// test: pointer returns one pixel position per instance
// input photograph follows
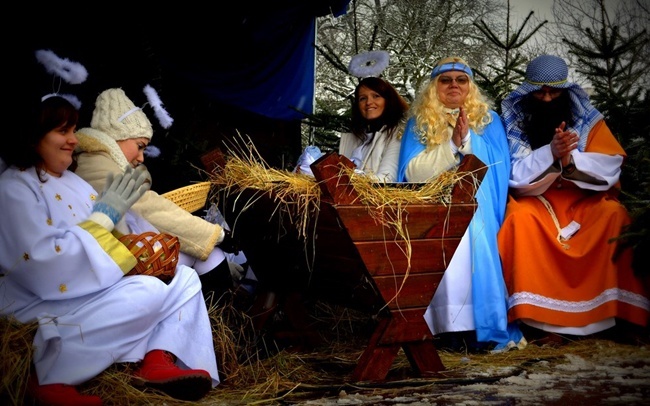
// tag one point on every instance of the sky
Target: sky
(544, 11)
(542, 8)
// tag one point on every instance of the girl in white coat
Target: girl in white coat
(61, 266)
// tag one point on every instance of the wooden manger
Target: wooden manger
(348, 258)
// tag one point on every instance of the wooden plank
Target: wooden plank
(405, 325)
(416, 290)
(388, 258)
(408, 330)
(375, 362)
(327, 218)
(421, 220)
(376, 359)
(333, 180)
(213, 160)
(423, 357)
(465, 189)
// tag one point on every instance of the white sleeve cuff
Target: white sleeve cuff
(221, 236)
(102, 219)
(454, 148)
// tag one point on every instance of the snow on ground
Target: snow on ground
(610, 375)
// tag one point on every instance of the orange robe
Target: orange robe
(576, 282)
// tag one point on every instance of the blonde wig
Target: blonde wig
(431, 115)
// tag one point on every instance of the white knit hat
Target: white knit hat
(117, 116)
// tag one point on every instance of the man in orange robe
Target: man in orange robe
(562, 272)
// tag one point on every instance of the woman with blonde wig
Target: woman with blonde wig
(450, 118)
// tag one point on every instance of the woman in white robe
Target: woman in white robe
(378, 115)
(62, 267)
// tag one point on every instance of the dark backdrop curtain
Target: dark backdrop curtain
(260, 59)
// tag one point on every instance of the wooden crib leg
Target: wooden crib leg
(406, 330)
(376, 360)
(423, 357)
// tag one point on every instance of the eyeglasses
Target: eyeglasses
(460, 80)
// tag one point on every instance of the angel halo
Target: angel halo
(368, 64)
(72, 72)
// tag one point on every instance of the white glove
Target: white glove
(119, 194)
(236, 271)
(308, 157)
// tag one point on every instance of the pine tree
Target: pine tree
(615, 66)
(502, 79)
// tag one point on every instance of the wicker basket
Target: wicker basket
(157, 254)
(190, 198)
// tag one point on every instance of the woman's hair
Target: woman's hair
(394, 110)
(429, 112)
(40, 117)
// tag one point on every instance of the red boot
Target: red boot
(158, 371)
(59, 395)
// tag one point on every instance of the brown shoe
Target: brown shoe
(59, 395)
(158, 371)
